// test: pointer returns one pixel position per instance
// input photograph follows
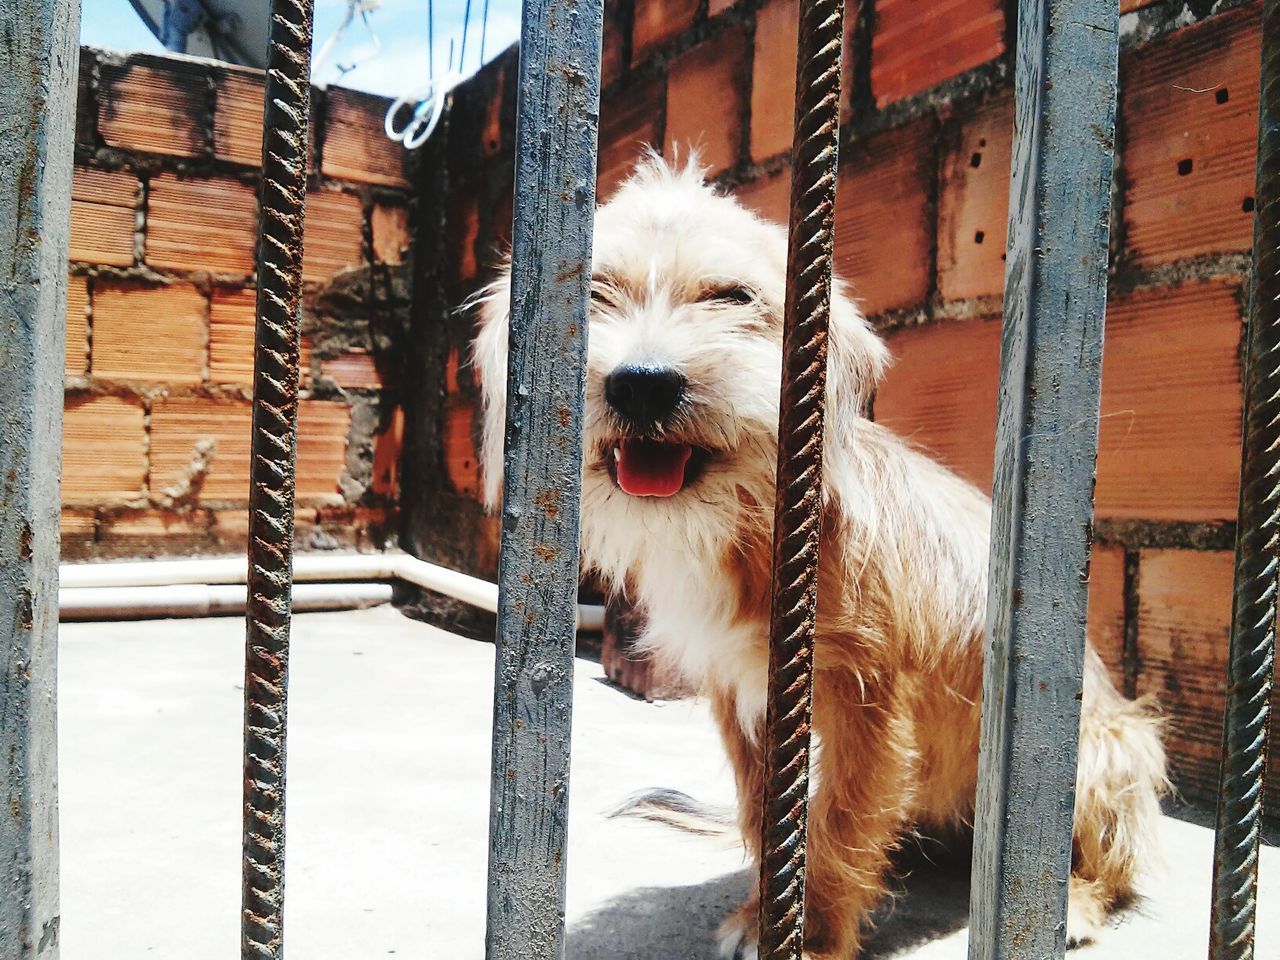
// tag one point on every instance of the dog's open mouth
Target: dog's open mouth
(654, 468)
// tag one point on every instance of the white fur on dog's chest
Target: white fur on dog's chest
(691, 624)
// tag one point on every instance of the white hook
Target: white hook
(428, 106)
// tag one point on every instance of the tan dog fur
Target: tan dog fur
(903, 577)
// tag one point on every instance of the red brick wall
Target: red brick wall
(161, 308)
(921, 226)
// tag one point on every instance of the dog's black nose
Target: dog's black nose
(644, 394)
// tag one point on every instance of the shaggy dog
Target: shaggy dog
(681, 427)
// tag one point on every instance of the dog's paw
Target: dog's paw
(736, 937)
(1086, 913)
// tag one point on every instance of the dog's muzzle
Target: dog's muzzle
(646, 397)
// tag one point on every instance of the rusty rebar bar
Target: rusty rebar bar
(797, 511)
(271, 480)
(1251, 655)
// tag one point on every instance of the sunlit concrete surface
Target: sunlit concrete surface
(388, 809)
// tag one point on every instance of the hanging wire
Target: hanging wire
(366, 6)
(354, 7)
(425, 105)
(466, 26)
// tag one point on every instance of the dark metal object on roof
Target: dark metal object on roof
(234, 31)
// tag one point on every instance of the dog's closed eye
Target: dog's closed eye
(731, 294)
(603, 295)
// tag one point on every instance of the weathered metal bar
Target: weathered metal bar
(271, 480)
(38, 60)
(1252, 652)
(797, 509)
(1046, 445)
(555, 192)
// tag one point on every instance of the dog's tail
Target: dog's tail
(678, 810)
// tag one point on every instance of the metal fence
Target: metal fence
(1055, 302)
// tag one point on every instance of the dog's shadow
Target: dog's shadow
(930, 901)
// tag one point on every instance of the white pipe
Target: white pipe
(202, 599)
(429, 576)
(153, 573)
(306, 567)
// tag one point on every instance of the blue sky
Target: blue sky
(398, 66)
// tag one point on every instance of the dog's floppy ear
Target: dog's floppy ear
(492, 306)
(857, 359)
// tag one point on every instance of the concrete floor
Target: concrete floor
(388, 809)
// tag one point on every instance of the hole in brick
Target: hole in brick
(1222, 96)
(975, 160)
(1248, 205)
(979, 237)
(1184, 166)
(982, 142)
(1003, 257)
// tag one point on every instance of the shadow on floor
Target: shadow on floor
(660, 923)
(930, 898)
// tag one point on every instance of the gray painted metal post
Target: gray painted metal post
(555, 179)
(1046, 445)
(39, 57)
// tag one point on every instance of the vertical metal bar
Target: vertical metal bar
(555, 193)
(797, 509)
(38, 60)
(1046, 445)
(271, 480)
(1252, 652)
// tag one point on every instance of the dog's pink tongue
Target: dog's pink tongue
(647, 468)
